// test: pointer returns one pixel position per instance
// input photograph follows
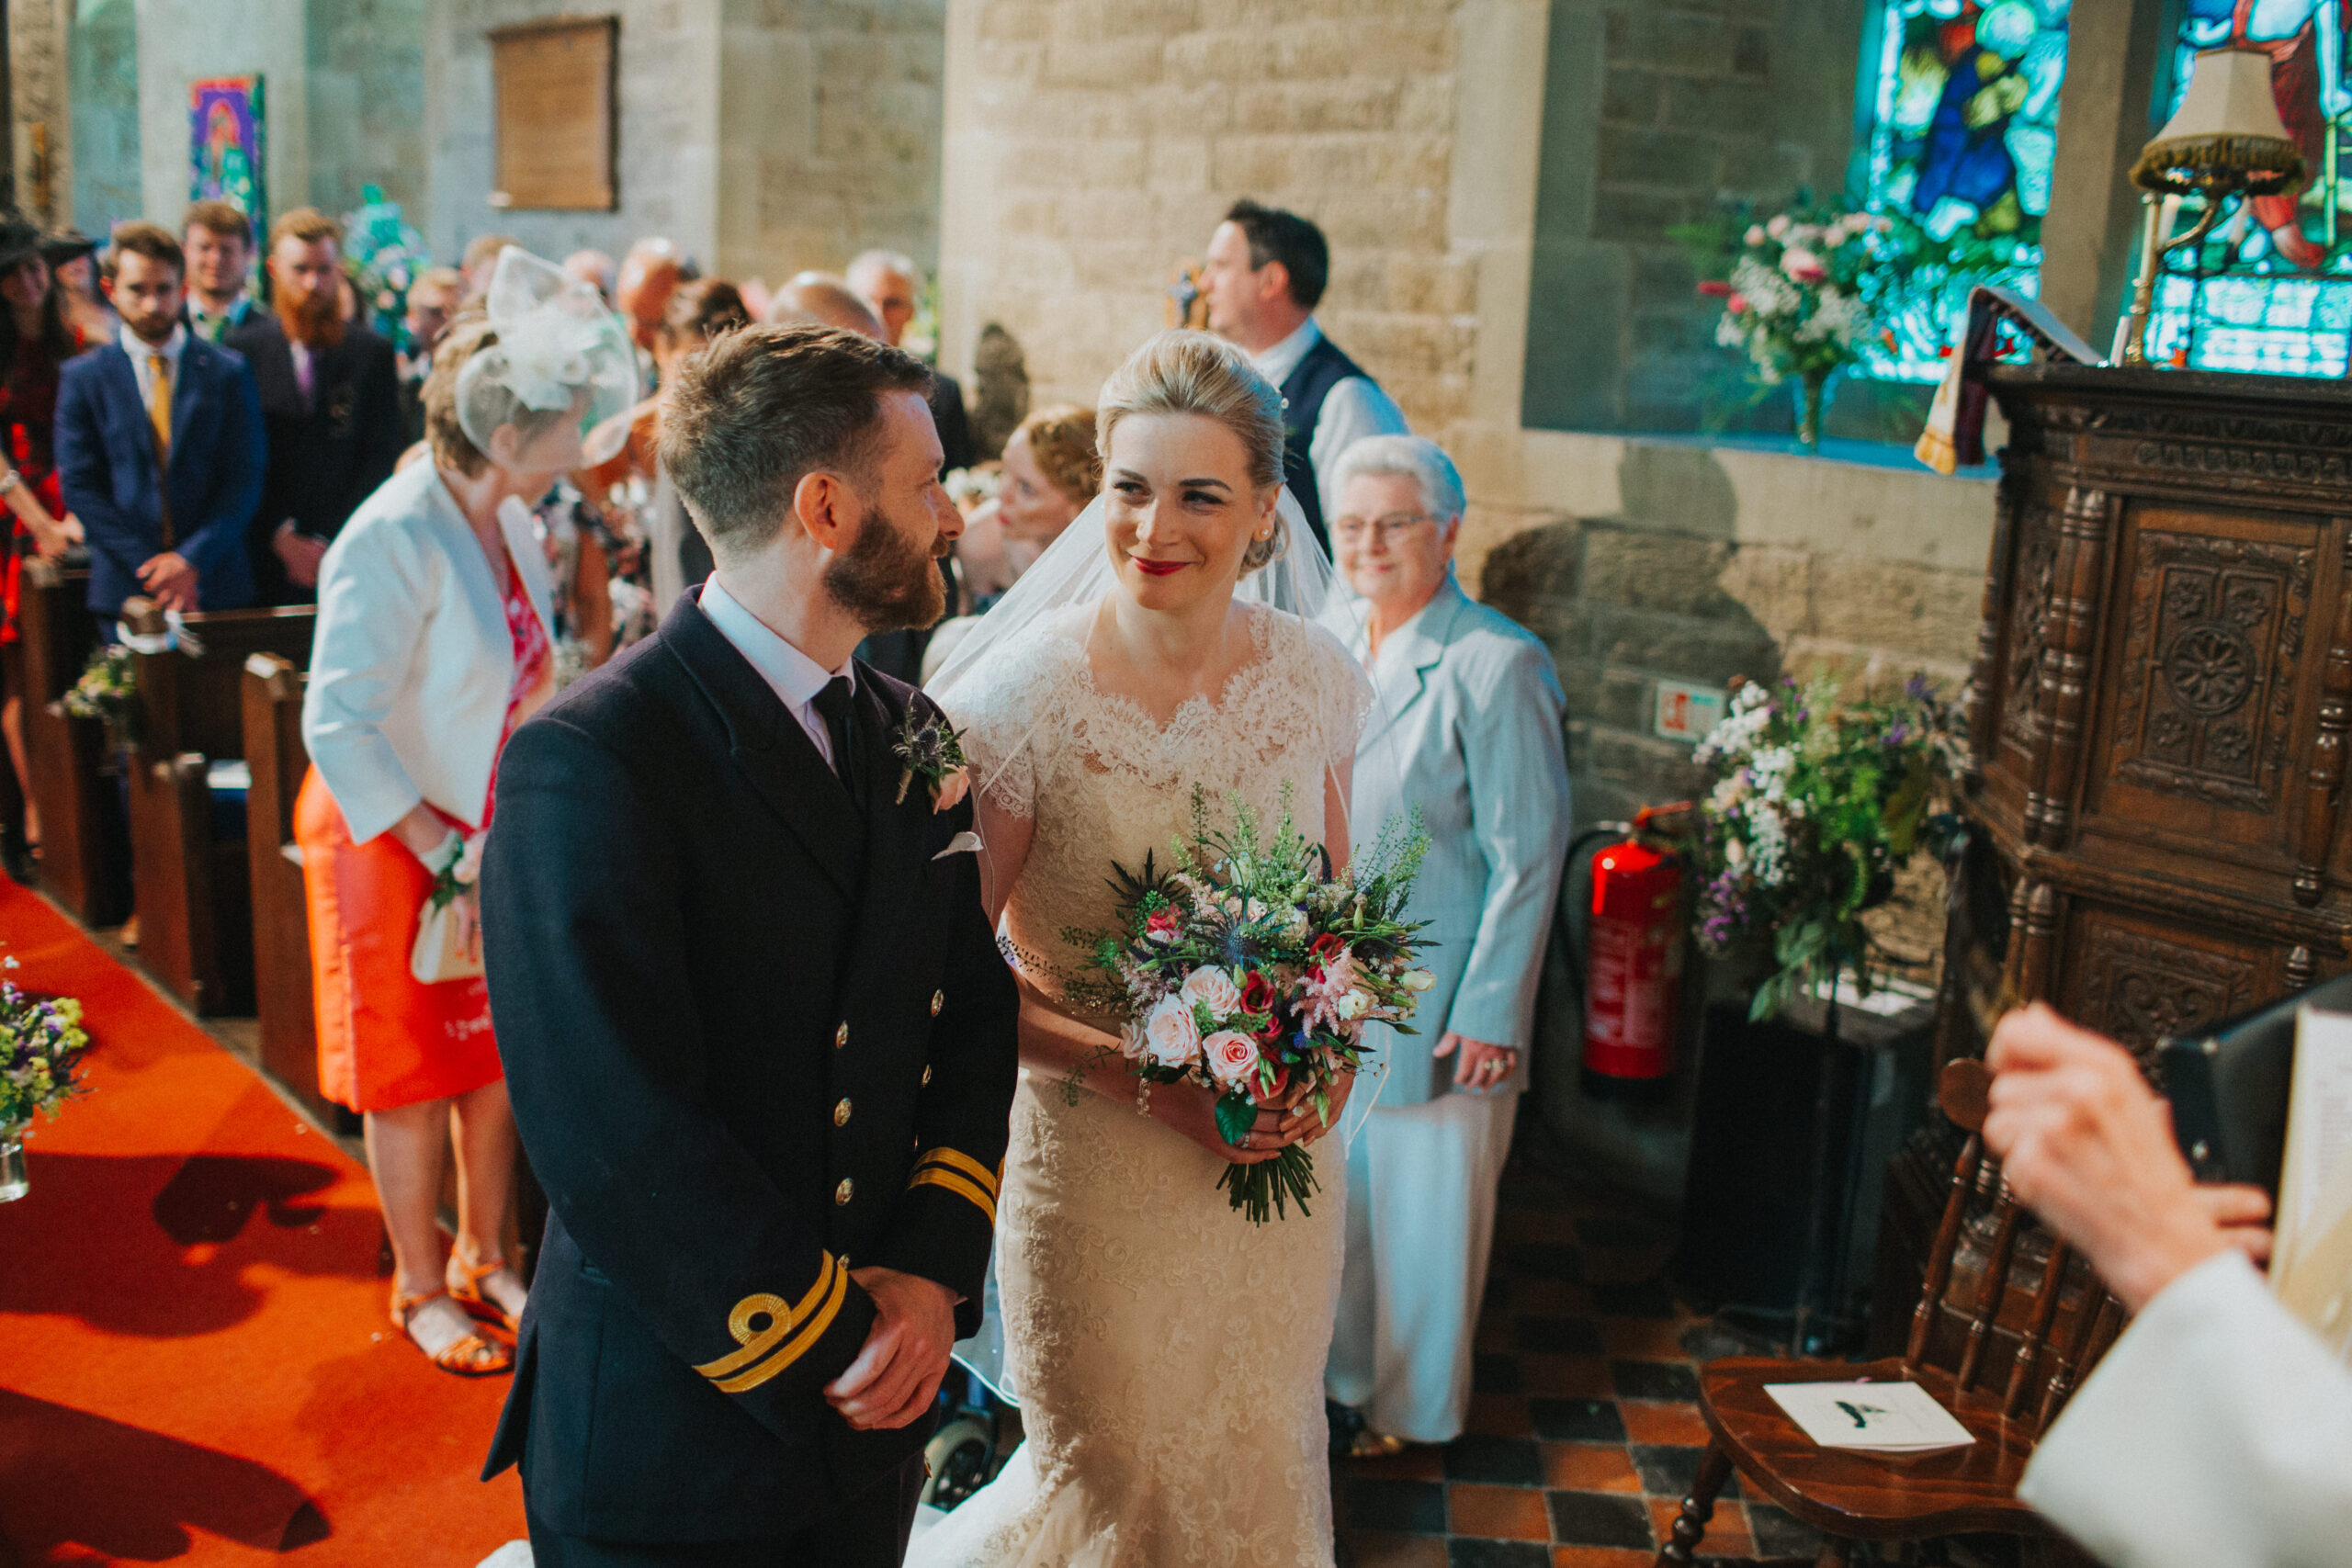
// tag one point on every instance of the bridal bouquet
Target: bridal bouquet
(1245, 966)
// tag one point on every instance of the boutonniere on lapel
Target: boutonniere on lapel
(930, 747)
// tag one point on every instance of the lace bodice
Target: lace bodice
(1167, 1354)
(1104, 781)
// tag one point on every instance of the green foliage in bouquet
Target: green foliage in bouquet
(41, 1046)
(107, 691)
(1245, 966)
(1815, 806)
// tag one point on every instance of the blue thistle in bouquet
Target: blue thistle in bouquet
(1246, 966)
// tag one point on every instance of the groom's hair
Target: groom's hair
(764, 406)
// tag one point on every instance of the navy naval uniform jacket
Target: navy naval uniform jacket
(755, 1036)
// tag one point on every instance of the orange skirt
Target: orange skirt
(385, 1039)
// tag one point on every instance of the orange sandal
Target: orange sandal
(468, 1355)
(464, 1280)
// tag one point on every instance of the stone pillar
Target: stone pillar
(40, 137)
(2118, 54)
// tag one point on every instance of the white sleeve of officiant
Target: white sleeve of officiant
(2216, 1434)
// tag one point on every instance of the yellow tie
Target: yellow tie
(159, 405)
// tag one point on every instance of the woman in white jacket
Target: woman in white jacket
(433, 645)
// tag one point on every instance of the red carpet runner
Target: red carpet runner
(195, 1364)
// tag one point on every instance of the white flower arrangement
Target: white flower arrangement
(1792, 302)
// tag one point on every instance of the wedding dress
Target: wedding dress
(1167, 1354)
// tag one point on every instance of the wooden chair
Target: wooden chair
(2060, 1326)
(83, 857)
(190, 879)
(278, 761)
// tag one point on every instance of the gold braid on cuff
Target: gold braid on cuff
(788, 1331)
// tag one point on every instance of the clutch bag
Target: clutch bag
(439, 954)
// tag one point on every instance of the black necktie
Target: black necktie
(834, 704)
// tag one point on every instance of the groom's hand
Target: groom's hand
(898, 1371)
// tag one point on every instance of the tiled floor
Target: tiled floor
(1584, 1434)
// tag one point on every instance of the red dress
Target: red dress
(28, 421)
(385, 1039)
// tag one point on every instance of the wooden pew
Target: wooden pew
(190, 880)
(84, 855)
(282, 994)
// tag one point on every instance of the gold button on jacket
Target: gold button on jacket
(840, 1035)
(926, 1075)
(840, 1114)
(938, 1001)
(841, 1193)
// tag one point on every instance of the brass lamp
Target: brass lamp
(2225, 140)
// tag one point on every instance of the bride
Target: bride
(1167, 1354)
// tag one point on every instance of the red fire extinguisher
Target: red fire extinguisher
(1633, 956)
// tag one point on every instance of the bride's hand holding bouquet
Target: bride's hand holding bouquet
(1246, 978)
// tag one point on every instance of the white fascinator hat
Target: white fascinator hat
(554, 392)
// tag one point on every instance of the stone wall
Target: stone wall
(1653, 114)
(764, 136)
(830, 133)
(40, 65)
(1092, 148)
(180, 43)
(366, 61)
(1685, 561)
(104, 146)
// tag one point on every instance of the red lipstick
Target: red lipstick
(1160, 567)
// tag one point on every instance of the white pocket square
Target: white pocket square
(964, 843)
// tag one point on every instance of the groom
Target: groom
(756, 1029)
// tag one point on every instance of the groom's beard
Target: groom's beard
(887, 584)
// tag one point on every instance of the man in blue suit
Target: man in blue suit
(159, 444)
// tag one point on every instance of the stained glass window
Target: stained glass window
(1960, 104)
(2271, 289)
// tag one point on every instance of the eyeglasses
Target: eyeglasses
(1353, 530)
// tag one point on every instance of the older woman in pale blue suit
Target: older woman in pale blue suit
(1470, 715)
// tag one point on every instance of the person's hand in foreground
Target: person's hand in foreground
(2087, 1146)
(905, 1356)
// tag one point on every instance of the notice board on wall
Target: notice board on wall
(553, 84)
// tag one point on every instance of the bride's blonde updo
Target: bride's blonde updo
(1192, 372)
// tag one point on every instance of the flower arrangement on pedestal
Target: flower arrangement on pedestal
(384, 254)
(41, 1045)
(1816, 807)
(1794, 289)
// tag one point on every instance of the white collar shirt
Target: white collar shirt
(792, 675)
(1275, 364)
(145, 353)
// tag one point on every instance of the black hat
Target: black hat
(62, 246)
(19, 240)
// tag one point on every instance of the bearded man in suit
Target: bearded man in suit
(329, 399)
(755, 1022)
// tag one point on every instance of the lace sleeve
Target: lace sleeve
(1003, 709)
(1341, 691)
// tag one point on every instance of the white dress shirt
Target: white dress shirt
(792, 675)
(1352, 410)
(2216, 1434)
(143, 354)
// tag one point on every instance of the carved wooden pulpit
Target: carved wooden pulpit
(2158, 716)
(2161, 698)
